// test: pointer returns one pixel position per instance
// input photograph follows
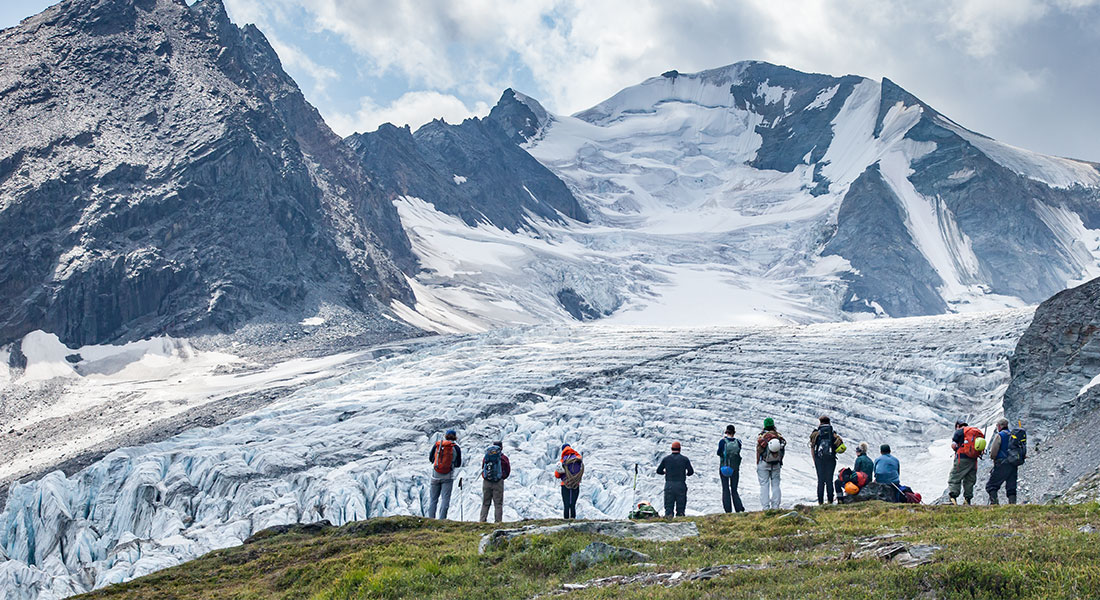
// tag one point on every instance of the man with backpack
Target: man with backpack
(495, 468)
(570, 471)
(729, 469)
(770, 449)
(824, 444)
(676, 468)
(1008, 449)
(964, 472)
(445, 457)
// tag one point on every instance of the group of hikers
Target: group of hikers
(878, 479)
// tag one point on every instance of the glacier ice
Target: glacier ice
(352, 443)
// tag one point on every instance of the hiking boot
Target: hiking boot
(953, 501)
(968, 502)
(1012, 499)
(993, 501)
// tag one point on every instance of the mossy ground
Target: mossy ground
(988, 552)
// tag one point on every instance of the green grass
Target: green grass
(988, 552)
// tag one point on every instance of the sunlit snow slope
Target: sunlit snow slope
(758, 194)
(353, 443)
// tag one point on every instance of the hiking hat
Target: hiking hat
(450, 435)
(451, 432)
(769, 422)
(885, 448)
(730, 430)
(961, 422)
(564, 446)
(675, 446)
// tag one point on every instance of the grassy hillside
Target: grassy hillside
(987, 552)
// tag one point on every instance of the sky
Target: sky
(1022, 71)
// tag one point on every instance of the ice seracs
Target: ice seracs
(352, 442)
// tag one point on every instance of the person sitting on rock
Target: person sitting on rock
(887, 467)
(863, 462)
(676, 468)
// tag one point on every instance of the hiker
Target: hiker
(676, 468)
(887, 468)
(770, 449)
(495, 468)
(964, 471)
(824, 446)
(729, 469)
(445, 457)
(863, 462)
(1008, 449)
(570, 471)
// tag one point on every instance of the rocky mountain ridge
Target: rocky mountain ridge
(161, 173)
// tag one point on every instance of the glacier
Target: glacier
(351, 442)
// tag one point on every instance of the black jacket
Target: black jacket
(675, 467)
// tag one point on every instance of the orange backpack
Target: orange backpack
(969, 435)
(444, 456)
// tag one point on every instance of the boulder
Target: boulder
(653, 532)
(598, 552)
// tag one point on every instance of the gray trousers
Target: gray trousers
(441, 497)
(768, 475)
(492, 492)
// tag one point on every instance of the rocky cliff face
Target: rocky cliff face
(1053, 392)
(161, 173)
(475, 170)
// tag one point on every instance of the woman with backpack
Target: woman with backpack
(729, 469)
(445, 457)
(770, 449)
(495, 468)
(964, 471)
(570, 471)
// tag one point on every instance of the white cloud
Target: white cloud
(294, 59)
(970, 58)
(412, 108)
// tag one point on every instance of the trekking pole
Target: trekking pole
(634, 500)
(461, 504)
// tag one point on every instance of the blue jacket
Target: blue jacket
(887, 469)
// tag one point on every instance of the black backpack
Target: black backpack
(823, 447)
(1017, 447)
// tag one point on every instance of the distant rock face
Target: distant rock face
(1052, 391)
(161, 173)
(475, 170)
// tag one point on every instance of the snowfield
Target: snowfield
(352, 441)
(686, 231)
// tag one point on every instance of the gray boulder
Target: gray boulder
(598, 552)
(653, 532)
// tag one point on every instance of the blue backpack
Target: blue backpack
(490, 467)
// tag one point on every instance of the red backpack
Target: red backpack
(969, 435)
(444, 456)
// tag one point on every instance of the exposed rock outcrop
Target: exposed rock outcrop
(1054, 367)
(161, 173)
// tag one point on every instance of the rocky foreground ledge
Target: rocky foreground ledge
(869, 551)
